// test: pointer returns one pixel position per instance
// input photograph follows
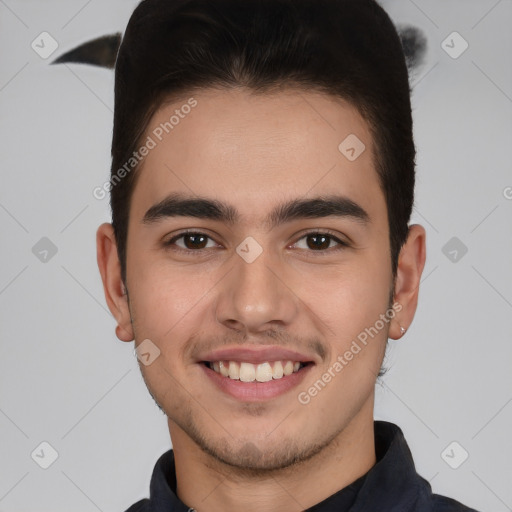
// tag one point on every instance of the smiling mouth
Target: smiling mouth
(261, 372)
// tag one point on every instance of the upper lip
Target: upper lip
(255, 355)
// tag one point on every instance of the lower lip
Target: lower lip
(256, 391)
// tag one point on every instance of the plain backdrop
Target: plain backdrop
(67, 381)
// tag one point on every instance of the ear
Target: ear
(410, 267)
(113, 286)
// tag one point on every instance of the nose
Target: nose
(255, 297)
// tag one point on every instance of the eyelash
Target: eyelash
(341, 244)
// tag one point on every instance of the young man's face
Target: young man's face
(260, 282)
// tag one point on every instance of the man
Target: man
(260, 254)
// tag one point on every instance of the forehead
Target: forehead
(258, 149)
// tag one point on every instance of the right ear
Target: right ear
(113, 286)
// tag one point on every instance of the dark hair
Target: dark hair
(345, 48)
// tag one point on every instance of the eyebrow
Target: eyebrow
(179, 205)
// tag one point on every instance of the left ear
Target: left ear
(113, 286)
(410, 267)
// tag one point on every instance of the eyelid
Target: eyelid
(169, 242)
(341, 244)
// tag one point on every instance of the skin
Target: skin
(254, 152)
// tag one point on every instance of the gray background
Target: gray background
(66, 380)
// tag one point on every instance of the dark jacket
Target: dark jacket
(392, 485)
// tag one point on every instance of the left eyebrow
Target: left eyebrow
(179, 205)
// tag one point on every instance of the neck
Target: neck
(208, 485)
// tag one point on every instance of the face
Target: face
(253, 282)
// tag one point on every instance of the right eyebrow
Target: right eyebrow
(178, 205)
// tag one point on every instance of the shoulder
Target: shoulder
(140, 506)
(444, 504)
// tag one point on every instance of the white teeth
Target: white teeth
(234, 370)
(288, 368)
(248, 372)
(224, 370)
(277, 371)
(264, 372)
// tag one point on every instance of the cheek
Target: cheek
(349, 299)
(162, 298)
(166, 311)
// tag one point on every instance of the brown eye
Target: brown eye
(191, 241)
(316, 242)
(195, 241)
(321, 242)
